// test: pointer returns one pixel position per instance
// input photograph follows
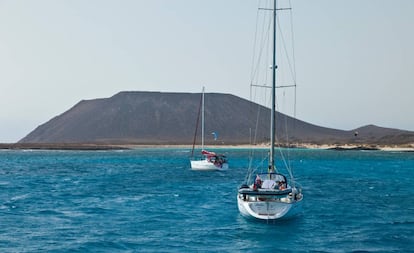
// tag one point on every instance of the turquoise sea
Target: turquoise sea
(148, 200)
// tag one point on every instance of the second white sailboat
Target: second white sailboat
(210, 160)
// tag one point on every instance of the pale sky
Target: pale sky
(354, 58)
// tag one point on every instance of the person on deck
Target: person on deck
(282, 185)
(257, 183)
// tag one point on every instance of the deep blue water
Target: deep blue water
(148, 200)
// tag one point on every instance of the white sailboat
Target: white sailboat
(269, 194)
(210, 160)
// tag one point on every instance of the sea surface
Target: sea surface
(148, 200)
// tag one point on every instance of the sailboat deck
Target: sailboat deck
(264, 192)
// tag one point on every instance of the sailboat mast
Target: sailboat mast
(202, 121)
(273, 109)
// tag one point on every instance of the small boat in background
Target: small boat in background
(210, 160)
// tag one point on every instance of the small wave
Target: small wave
(73, 214)
(127, 199)
(3, 207)
(3, 183)
(19, 197)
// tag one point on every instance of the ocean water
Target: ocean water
(148, 200)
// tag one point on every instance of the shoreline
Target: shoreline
(98, 146)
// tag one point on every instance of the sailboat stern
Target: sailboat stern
(268, 206)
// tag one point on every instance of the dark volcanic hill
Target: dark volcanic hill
(170, 118)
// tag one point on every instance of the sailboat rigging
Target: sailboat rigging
(269, 195)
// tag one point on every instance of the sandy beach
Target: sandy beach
(99, 146)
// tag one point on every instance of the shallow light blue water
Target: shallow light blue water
(148, 200)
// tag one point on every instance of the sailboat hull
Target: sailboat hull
(206, 165)
(268, 210)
